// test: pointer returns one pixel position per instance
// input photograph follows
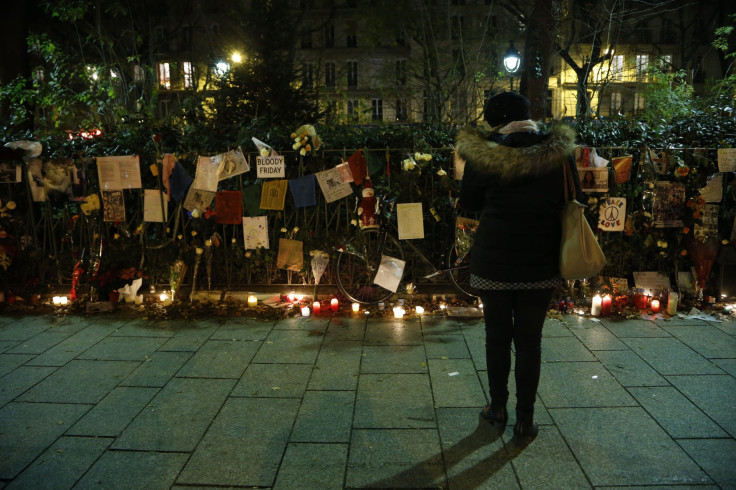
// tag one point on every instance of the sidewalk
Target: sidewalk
(111, 402)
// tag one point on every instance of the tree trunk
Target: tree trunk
(537, 52)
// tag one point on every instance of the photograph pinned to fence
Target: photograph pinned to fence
(593, 179)
(155, 206)
(255, 232)
(389, 273)
(113, 206)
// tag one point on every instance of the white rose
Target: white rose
(441, 172)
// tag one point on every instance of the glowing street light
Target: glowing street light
(512, 62)
(221, 68)
(236, 57)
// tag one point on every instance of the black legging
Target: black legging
(518, 316)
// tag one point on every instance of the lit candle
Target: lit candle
(595, 306)
(334, 304)
(606, 305)
(63, 300)
(291, 296)
(299, 297)
(398, 312)
(316, 307)
(57, 300)
(165, 299)
(654, 305)
(139, 299)
(672, 304)
(305, 310)
(252, 301)
(419, 310)
(356, 306)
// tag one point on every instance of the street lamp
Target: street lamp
(511, 61)
(236, 57)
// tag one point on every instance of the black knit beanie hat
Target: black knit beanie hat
(506, 107)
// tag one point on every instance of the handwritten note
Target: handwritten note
(206, 177)
(119, 172)
(410, 221)
(727, 159)
(255, 232)
(155, 206)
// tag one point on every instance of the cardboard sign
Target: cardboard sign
(255, 232)
(291, 254)
(612, 214)
(271, 167)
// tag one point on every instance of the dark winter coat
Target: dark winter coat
(516, 183)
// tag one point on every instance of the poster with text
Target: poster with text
(155, 206)
(708, 226)
(271, 167)
(255, 232)
(410, 220)
(332, 185)
(612, 214)
(727, 159)
(669, 204)
(113, 207)
(119, 172)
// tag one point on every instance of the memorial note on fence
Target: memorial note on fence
(612, 214)
(273, 194)
(332, 185)
(198, 199)
(155, 206)
(113, 207)
(255, 232)
(123, 172)
(727, 159)
(206, 177)
(271, 167)
(410, 221)
(291, 254)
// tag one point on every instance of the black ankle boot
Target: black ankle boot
(498, 416)
(525, 429)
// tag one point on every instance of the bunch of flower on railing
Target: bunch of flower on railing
(464, 236)
(306, 139)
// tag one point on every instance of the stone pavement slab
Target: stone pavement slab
(352, 401)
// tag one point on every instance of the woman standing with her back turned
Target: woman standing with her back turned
(513, 175)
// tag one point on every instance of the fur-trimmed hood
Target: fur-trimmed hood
(510, 163)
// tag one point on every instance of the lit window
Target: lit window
(665, 62)
(642, 64)
(164, 75)
(615, 102)
(617, 67)
(352, 68)
(377, 109)
(188, 74)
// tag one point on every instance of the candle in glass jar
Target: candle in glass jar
(316, 307)
(57, 300)
(654, 305)
(398, 312)
(334, 304)
(672, 303)
(356, 306)
(252, 301)
(305, 310)
(595, 306)
(606, 305)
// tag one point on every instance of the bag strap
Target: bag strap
(569, 186)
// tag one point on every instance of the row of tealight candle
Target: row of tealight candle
(601, 305)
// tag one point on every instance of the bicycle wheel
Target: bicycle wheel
(356, 268)
(460, 272)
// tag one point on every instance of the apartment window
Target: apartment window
(306, 40)
(642, 64)
(188, 71)
(352, 35)
(352, 110)
(38, 75)
(164, 75)
(456, 26)
(665, 62)
(329, 36)
(617, 67)
(352, 69)
(139, 74)
(308, 75)
(616, 102)
(401, 72)
(401, 112)
(330, 74)
(639, 103)
(377, 109)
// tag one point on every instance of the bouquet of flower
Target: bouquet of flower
(306, 139)
(464, 235)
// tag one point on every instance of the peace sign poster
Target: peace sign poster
(612, 215)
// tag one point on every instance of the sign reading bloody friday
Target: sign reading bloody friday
(271, 167)
(612, 215)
